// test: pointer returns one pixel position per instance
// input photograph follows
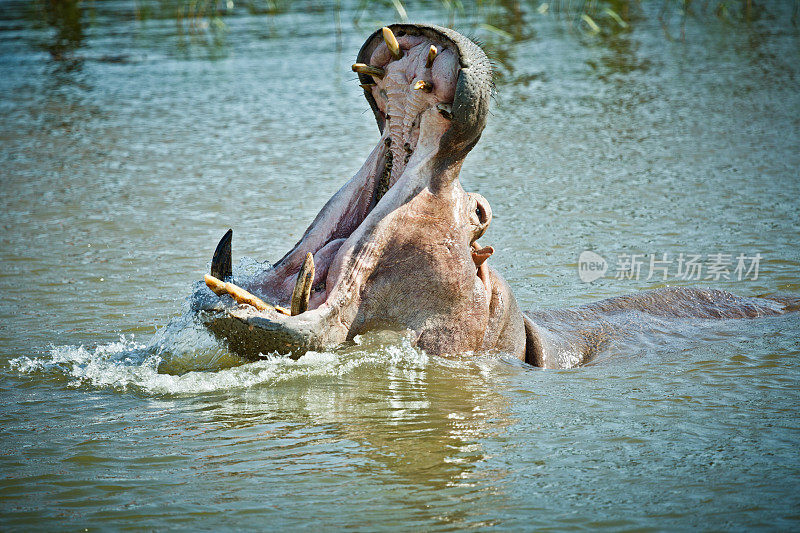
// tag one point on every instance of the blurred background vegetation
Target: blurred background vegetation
(211, 23)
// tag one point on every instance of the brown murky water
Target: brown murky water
(132, 138)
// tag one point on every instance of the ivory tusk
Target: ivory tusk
(302, 287)
(391, 43)
(241, 296)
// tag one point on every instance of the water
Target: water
(132, 138)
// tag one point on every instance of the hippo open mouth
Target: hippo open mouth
(395, 246)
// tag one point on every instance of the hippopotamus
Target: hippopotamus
(397, 246)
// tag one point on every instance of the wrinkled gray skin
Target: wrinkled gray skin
(394, 247)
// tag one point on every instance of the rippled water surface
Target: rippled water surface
(135, 133)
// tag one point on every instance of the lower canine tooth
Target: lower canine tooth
(221, 266)
(302, 287)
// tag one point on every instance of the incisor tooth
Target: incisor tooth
(241, 296)
(446, 110)
(363, 68)
(424, 86)
(302, 287)
(431, 56)
(391, 43)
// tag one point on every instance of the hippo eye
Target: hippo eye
(480, 213)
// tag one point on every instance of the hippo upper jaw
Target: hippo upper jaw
(395, 245)
(460, 64)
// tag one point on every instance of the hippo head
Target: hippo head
(396, 246)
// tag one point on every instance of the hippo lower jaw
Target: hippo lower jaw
(341, 265)
(430, 112)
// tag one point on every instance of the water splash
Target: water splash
(184, 359)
